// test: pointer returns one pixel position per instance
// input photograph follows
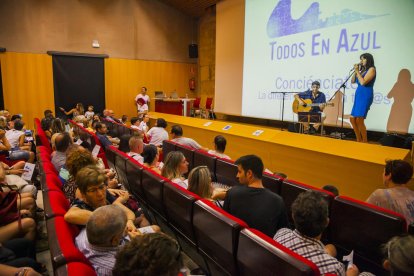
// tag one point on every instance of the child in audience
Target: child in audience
(89, 114)
(175, 166)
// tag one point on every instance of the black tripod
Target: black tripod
(283, 103)
(343, 85)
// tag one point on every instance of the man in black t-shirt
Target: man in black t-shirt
(258, 207)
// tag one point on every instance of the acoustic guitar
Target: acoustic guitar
(296, 107)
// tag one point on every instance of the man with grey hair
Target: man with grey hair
(102, 237)
(136, 146)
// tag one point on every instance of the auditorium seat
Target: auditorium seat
(120, 165)
(411, 229)
(62, 247)
(153, 185)
(75, 269)
(110, 156)
(272, 182)
(134, 176)
(55, 204)
(217, 234)
(203, 158)
(258, 254)
(53, 183)
(290, 190)
(188, 153)
(179, 204)
(226, 172)
(362, 227)
(167, 146)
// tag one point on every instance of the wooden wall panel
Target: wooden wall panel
(27, 84)
(124, 79)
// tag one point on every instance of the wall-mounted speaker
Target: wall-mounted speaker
(193, 51)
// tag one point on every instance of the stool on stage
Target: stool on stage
(310, 118)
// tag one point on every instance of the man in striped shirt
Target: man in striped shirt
(101, 239)
(310, 215)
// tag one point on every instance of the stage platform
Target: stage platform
(355, 168)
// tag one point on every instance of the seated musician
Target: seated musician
(318, 104)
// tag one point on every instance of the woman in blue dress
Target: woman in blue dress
(364, 76)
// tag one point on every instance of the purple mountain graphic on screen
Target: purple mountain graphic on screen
(281, 22)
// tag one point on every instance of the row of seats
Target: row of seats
(354, 225)
(217, 241)
(345, 227)
(66, 258)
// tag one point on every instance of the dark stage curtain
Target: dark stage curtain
(78, 79)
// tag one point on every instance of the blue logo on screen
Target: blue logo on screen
(281, 22)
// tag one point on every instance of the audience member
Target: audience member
(46, 124)
(62, 143)
(396, 196)
(124, 143)
(399, 257)
(19, 149)
(136, 146)
(143, 124)
(76, 158)
(124, 119)
(150, 155)
(258, 207)
(158, 134)
(310, 216)
(48, 114)
(20, 254)
(11, 175)
(199, 182)
(89, 114)
(92, 186)
(135, 123)
(219, 147)
(101, 132)
(76, 111)
(102, 238)
(177, 137)
(148, 255)
(330, 188)
(4, 143)
(175, 166)
(58, 126)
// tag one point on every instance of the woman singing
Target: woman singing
(364, 76)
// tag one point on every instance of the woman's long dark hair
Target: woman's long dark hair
(370, 60)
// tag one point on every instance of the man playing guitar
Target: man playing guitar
(318, 104)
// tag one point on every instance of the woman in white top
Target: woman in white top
(219, 147)
(158, 134)
(175, 166)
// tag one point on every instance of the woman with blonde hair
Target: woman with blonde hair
(175, 166)
(199, 182)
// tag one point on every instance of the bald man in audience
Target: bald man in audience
(103, 237)
(136, 146)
